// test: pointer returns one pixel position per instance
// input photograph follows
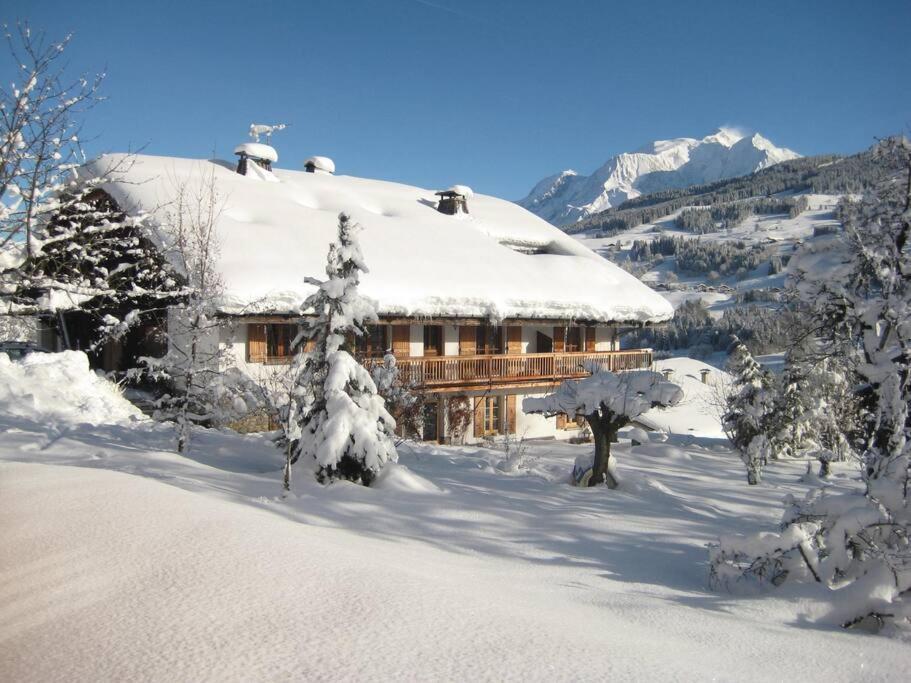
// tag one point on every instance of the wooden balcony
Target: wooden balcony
(461, 372)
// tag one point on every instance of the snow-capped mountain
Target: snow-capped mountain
(664, 164)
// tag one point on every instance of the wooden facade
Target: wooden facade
(480, 371)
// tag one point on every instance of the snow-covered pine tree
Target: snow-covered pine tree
(608, 401)
(88, 256)
(750, 407)
(345, 429)
(857, 543)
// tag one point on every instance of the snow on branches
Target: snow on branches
(345, 429)
(40, 122)
(608, 401)
(856, 542)
(749, 411)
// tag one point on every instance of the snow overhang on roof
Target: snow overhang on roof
(422, 263)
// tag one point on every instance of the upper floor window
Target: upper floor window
(373, 344)
(270, 342)
(489, 339)
(433, 340)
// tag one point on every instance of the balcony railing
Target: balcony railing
(456, 371)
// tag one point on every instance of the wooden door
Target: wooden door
(401, 341)
(256, 343)
(514, 339)
(589, 339)
(559, 338)
(468, 341)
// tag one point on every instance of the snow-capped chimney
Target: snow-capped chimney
(263, 155)
(705, 375)
(454, 200)
(319, 165)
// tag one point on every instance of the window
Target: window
(373, 344)
(278, 341)
(543, 343)
(492, 412)
(573, 339)
(489, 339)
(433, 340)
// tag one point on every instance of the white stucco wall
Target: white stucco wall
(416, 342)
(450, 340)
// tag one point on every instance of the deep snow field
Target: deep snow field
(121, 560)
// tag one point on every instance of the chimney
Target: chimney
(323, 165)
(262, 155)
(667, 372)
(705, 375)
(454, 200)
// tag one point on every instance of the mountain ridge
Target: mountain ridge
(566, 197)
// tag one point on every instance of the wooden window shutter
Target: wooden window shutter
(479, 406)
(558, 340)
(511, 414)
(589, 339)
(401, 341)
(514, 339)
(256, 343)
(468, 341)
(561, 420)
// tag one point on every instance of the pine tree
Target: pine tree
(748, 418)
(92, 257)
(345, 429)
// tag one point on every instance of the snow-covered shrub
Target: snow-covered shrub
(404, 404)
(345, 428)
(458, 417)
(608, 401)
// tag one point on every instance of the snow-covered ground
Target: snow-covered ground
(122, 560)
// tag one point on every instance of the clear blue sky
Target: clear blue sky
(494, 94)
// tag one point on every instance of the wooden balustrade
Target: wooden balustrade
(453, 371)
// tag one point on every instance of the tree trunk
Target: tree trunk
(286, 478)
(602, 433)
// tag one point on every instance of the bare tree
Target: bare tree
(40, 124)
(204, 386)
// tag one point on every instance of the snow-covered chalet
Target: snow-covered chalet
(478, 298)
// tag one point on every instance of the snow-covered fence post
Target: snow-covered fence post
(345, 428)
(608, 401)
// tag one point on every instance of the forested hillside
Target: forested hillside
(827, 174)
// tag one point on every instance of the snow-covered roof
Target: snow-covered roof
(422, 263)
